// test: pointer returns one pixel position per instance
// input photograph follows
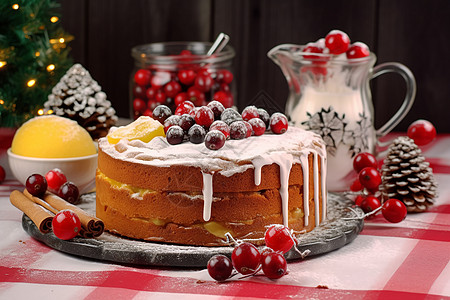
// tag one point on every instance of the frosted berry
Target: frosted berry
(238, 130)
(220, 267)
(2, 174)
(422, 132)
(337, 42)
(370, 178)
(278, 123)
(186, 122)
(196, 134)
(258, 126)
(139, 105)
(184, 107)
(36, 185)
(186, 77)
(214, 140)
(55, 179)
(171, 121)
(364, 160)
(66, 224)
(246, 258)
(172, 88)
(230, 115)
(175, 135)
(249, 113)
(161, 113)
(249, 129)
(224, 76)
(204, 116)
(314, 48)
(217, 108)
(279, 238)
(142, 77)
(274, 265)
(394, 210)
(203, 82)
(222, 127)
(264, 116)
(69, 192)
(357, 50)
(370, 203)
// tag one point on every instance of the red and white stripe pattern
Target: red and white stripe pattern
(409, 260)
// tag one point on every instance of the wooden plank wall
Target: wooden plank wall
(412, 32)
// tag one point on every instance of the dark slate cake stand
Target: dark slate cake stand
(332, 234)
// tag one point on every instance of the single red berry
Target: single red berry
(359, 199)
(238, 130)
(214, 140)
(279, 238)
(203, 82)
(370, 178)
(258, 126)
(2, 174)
(356, 186)
(217, 108)
(139, 105)
(222, 127)
(225, 88)
(160, 97)
(370, 203)
(357, 50)
(142, 77)
(172, 88)
(204, 72)
(161, 113)
(171, 121)
(220, 267)
(394, 210)
(314, 48)
(278, 123)
(249, 129)
(274, 265)
(175, 135)
(55, 179)
(139, 91)
(195, 96)
(204, 116)
(364, 160)
(66, 224)
(184, 107)
(246, 258)
(224, 76)
(337, 42)
(197, 134)
(224, 98)
(186, 77)
(180, 98)
(422, 132)
(36, 185)
(249, 113)
(264, 251)
(69, 192)
(264, 116)
(186, 122)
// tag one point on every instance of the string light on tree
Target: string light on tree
(50, 67)
(31, 82)
(54, 19)
(2, 63)
(15, 6)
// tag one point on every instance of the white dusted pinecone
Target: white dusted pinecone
(406, 176)
(79, 97)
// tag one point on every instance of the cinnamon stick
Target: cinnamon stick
(91, 226)
(38, 214)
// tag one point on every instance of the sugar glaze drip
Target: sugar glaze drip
(207, 191)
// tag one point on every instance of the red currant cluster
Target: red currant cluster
(246, 259)
(194, 82)
(213, 124)
(66, 224)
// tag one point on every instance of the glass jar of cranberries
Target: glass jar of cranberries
(172, 72)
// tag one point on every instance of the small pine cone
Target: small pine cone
(79, 97)
(407, 176)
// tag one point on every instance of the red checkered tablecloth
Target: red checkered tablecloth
(389, 261)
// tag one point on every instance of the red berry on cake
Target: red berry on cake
(278, 123)
(185, 107)
(274, 265)
(214, 140)
(196, 134)
(222, 127)
(238, 130)
(337, 42)
(217, 108)
(69, 192)
(175, 135)
(258, 126)
(204, 116)
(220, 267)
(394, 210)
(370, 178)
(186, 77)
(229, 116)
(55, 179)
(246, 258)
(422, 132)
(171, 121)
(357, 50)
(66, 224)
(279, 238)
(249, 129)
(249, 113)
(142, 77)
(36, 185)
(370, 203)
(161, 113)
(264, 116)
(363, 160)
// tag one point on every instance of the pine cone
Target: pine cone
(406, 176)
(79, 97)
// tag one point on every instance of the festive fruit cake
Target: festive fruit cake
(189, 194)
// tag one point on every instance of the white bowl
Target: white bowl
(79, 170)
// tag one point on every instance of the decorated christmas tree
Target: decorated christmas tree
(33, 57)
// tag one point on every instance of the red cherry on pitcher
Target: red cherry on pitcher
(66, 224)
(357, 50)
(246, 258)
(55, 179)
(337, 42)
(364, 160)
(142, 77)
(394, 210)
(370, 178)
(279, 238)
(422, 132)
